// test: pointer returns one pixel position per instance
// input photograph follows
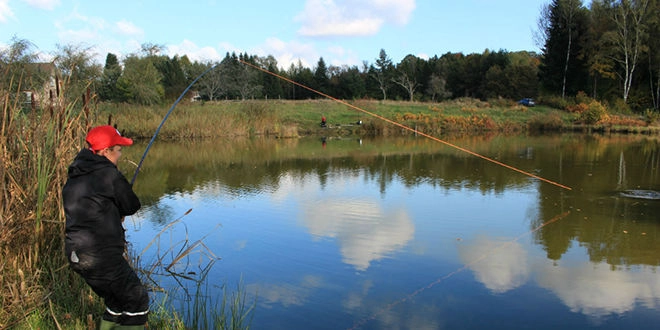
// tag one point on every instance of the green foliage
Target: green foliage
(563, 69)
(651, 116)
(108, 89)
(141, 81)
(78, 70)
(174, 80)
(554, 101)
(549, 122)
(620, 106)
(594, 113)
(19, 69)
(582, 50)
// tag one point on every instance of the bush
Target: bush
(595, 113)
(651, 116)
(544, 123)
(625, 121)
(501, 102)
(578, 108)
(582, 97)
(620, 106)
(554, 102)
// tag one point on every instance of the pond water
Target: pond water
(407, 233)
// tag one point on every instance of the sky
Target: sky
(342, 32)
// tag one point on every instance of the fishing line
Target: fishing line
(153, 138)
(408, 128)
(466, 266)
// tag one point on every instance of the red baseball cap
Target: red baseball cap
(102, 137)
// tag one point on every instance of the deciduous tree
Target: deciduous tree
(628, 39)
(141, 82)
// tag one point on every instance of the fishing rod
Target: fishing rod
(153, 138)
(408, 128)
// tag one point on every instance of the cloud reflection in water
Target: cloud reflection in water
(593, 289)
(365, 232)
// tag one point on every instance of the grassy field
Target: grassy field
(298, 118)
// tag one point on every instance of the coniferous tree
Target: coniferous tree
(111, 72)
(562, 67)
(382, 72)
(321, 79)
(174, 80)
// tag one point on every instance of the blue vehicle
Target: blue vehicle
(528, 102)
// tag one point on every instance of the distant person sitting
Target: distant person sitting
(323, 122)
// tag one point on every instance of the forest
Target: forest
(608, 51)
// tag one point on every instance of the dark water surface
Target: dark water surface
(408, 233)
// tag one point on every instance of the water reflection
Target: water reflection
(332, 236)
(294, 294)
(500, 265)
(365, 232)
(595, 289)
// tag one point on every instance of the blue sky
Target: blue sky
(343, 32)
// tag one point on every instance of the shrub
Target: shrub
(548, 122)
(620, 106)
(595, 113)
(577, 108)
(582, 97)
(501, 102)
(625, 121)
(651, 116)
(554, 101)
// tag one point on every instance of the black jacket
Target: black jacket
(96, 196)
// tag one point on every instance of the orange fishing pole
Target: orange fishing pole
(408, 128)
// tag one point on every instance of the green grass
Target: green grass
(298, 118)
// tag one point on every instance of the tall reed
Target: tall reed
(36, 145)
(37, 288)
(188, 263)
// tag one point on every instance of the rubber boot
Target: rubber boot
(108, 325)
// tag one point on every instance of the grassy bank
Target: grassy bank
(297, 118)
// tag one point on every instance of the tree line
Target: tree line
(609, 51)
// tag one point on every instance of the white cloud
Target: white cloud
(499, 266)
(128, 28)
(194, 52)
(43, 4)
(77, 36)
(290, 294)
(348, 18)
(287, 53)
(598, 290)
(76, 28)
(364, 231)
(5, 11)
(593, 289)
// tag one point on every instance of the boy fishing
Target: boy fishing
(96, 197)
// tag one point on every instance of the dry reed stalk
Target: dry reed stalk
(36, 149)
